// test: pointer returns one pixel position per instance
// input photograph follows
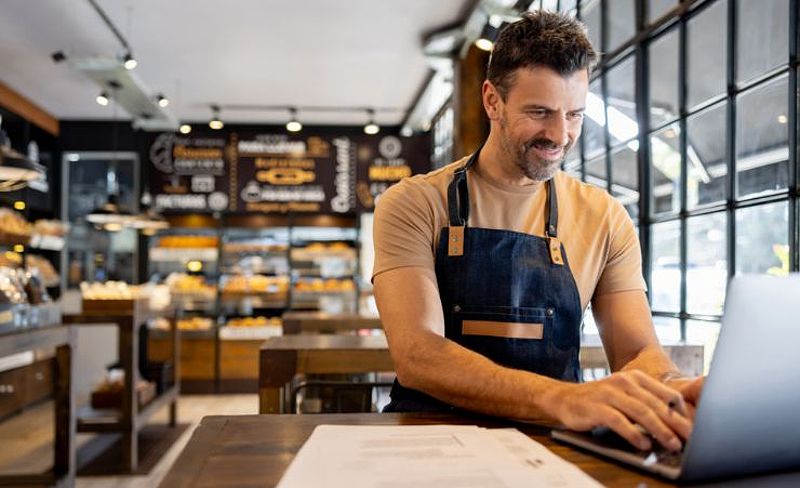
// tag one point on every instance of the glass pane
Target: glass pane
(665, 286)
(706, 273)
(665, 155)
(596, 173)
(590, 15)
(705, 333)
(625, 174)
(657, 8)
(762, 239)
(621, 109)
(621, 23)
(568, 6)
(664, 79)
(94, 251)
(762, 138)
(594, 135)
(667, 329)
(706, 150)
(706, 65)
(572, 166)
(763, 37)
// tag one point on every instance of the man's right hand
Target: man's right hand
(621, 400)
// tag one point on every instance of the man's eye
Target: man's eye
(538, 114)
(575, 116)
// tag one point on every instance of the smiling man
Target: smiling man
(484, 268)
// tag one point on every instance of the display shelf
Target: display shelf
(228, 333)
(183, 254)
(9, 239)
(47, 242)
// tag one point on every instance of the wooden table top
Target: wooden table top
(341, 341)
(255, 450)
(299, 342)
(301, 322)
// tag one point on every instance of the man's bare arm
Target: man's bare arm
(630, 341)
(424, 360)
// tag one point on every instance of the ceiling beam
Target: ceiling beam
(13, 101)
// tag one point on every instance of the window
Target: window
(664, 79)
(705, 55)
(762, 138)
(621, 23)
(706, 146)
(717, 112)
(763, 37)
(657, 8)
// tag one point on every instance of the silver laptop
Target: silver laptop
(748, 419)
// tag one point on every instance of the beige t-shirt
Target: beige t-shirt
(597, 233)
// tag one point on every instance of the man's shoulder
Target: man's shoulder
(583, 193)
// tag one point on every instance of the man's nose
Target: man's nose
(557, 131)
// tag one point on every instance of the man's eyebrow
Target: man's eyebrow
(534, 106)
(549, 109)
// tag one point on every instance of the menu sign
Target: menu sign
(383, 161)
(278, 173)
(190, 173)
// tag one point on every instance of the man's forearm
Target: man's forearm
(653, 361)
(463, 378)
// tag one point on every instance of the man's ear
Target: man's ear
(492, 101)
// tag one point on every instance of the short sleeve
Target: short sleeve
(623, 267)
(404, 228)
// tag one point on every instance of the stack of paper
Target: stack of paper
(422, 456)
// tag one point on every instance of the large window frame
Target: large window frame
(637, 48)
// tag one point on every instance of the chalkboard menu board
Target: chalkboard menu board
(190, 173)
(281, 173)
(385, 160)
(253, 171)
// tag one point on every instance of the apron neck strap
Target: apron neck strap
(458, 193)
(458, 199)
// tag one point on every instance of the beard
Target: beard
(531, 165)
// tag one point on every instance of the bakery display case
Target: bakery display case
(324, 263)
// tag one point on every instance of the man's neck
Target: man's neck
(496, 164)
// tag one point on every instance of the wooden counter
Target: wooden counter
(281, 358)
(254, 450)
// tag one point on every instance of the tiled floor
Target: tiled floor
(27, 437)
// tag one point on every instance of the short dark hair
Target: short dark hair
(540, 38)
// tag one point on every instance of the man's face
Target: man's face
(541, 119)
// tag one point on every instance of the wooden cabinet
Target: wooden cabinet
(22, 387)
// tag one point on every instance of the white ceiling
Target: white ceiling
(351, 53)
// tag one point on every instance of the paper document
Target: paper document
(427, 456)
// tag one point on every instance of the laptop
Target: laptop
(748, 418)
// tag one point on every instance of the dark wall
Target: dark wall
(21, 133)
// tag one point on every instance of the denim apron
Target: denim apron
(506, 295)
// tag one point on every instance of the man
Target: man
(484, 268)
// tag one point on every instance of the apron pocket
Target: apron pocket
(526, 323)
(509, 330)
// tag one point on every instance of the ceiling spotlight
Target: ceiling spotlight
(162, 100)
(73, 157)
(128, 62)
(486, 40)
(371, 128)
(782, 119)
(215, 122)
(293, 125)
(185, 129)
(102, 99)
(406, 131)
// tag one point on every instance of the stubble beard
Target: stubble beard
(533, 167)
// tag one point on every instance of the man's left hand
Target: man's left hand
(690, 388)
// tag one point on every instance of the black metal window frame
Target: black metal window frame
(637, 48)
